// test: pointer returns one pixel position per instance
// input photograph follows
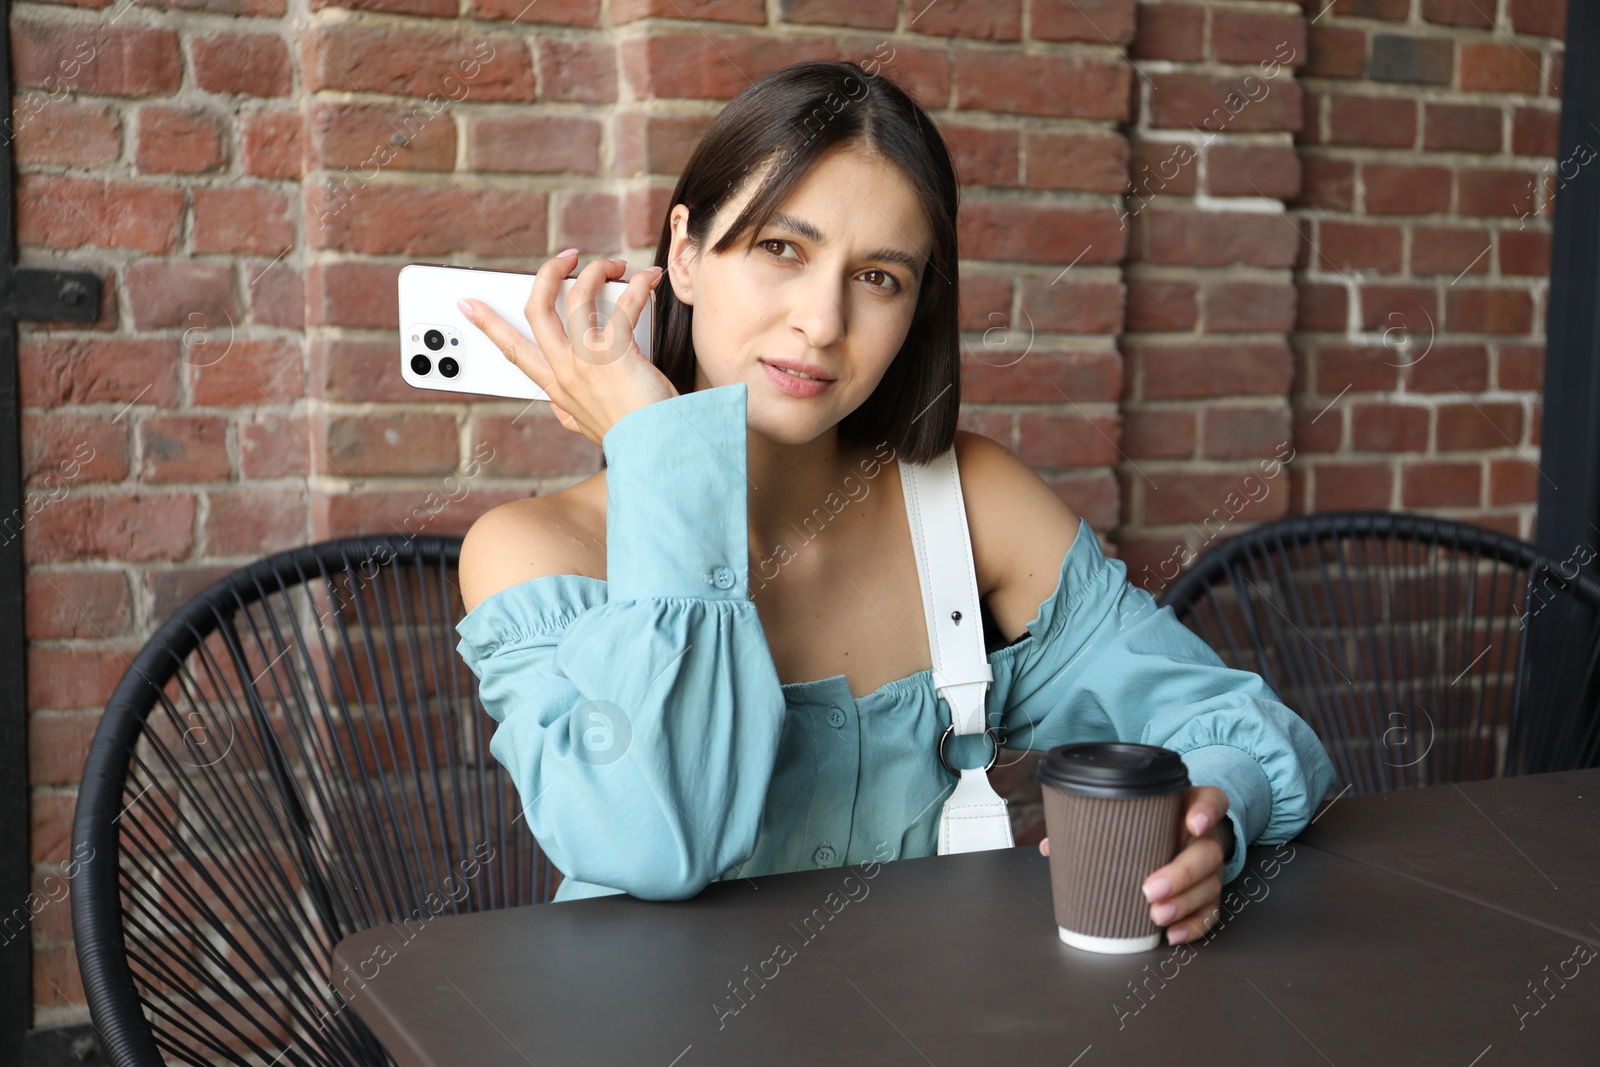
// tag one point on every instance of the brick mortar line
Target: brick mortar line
(663, 26)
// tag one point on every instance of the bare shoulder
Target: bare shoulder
(526, 539)
(1021, 528)
(1006, 486)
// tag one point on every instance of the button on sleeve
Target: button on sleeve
(677, 519)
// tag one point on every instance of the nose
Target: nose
(818, 311)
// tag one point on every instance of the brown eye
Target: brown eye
(891, 284)
(774, 241)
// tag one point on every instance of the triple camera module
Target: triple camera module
(434, 339)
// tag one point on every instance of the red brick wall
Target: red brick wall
(1210, 273)
(1429, 145)
(1167, 290)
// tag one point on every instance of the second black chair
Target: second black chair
(1422, 651)
(296, 754)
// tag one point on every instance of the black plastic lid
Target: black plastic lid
(1113, 769)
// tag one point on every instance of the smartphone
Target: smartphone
(440, 349)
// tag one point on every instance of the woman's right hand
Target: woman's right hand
(592, 380)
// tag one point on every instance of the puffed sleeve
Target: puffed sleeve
(1106, 663)
(639, 717)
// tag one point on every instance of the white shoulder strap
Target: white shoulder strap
(938, 519)
(974, 816)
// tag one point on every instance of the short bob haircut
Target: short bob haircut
(793, 117)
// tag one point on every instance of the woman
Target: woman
(710, 659)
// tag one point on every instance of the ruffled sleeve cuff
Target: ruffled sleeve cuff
(525, 612)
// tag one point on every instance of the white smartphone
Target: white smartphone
(440, 349)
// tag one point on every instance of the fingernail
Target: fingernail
(466, 308)
(1178, 936)
(568, 252)
(1202, 823)
(653, 270)
(1157, 889)
(1163, 913)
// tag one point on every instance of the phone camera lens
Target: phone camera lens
(448, 367)
(421, 364)
(433, 339)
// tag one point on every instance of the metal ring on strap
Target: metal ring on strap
(994, 735)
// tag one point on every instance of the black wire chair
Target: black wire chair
(1422, 651)
(297, 754)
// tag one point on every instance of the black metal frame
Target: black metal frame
(16, 960)
(1569, 491)
(48, 295)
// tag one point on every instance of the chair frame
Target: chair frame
(1215, 566)
(116, 1008)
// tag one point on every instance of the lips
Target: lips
(804, 368)
(793, 384)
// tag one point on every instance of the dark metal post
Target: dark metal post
(16, 985)
(24, 294)
(1568, 521)
(1569, 493)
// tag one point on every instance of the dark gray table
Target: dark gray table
(1528, 846)
(955, 960)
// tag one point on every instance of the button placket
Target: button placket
(838, 752)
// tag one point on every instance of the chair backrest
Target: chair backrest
(1422, 651)
(297, 754)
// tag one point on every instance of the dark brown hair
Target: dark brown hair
(793, 117)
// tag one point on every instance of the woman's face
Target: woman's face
(831, 282)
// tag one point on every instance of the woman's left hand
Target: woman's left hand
(1185, 893)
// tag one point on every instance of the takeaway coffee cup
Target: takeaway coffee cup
(1114, 813)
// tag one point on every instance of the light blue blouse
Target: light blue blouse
(655, 751)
